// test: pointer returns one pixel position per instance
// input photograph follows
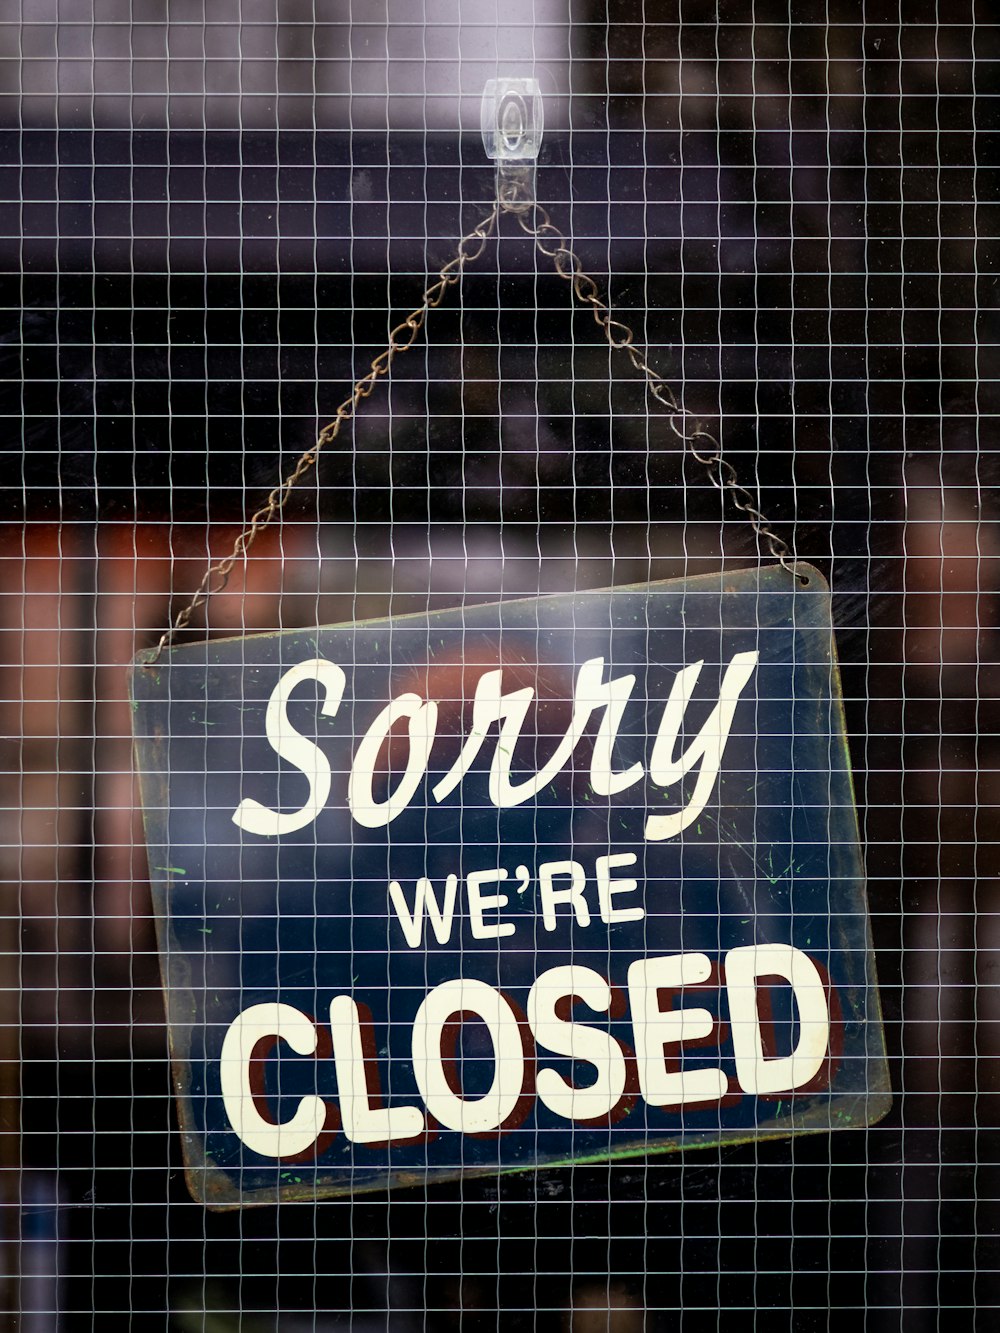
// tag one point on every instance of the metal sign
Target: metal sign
(540, 882)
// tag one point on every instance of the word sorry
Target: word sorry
(652, 1068)
(491, 706)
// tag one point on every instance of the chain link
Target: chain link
(535, 222)
(550, 242)
(401, 339)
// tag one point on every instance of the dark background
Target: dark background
(799, 216)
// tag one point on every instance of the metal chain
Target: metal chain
(401, 339)
(550, 242)
(701, 444)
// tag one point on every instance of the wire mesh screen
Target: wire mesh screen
(213, 217)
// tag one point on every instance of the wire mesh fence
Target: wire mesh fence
(212, 219)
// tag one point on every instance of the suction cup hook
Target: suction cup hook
(512, 121)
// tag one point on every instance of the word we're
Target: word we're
(560, 884)
(508, 712)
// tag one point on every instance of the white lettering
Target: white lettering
(425, 898)
(436, 1071)
(244, 1104)
(614, 696)
(655, 1028)
(756, 1073)
(589, 693)
(607, 888)
(364, 1118)
(573, 894)
(480, 903)
(491, 705)
(576, 1041)
(507, 1050)
(707, 746)
(421, 728)
(289, 745)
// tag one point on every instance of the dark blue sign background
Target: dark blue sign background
(245, 919)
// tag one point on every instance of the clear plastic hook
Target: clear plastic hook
(512, 121)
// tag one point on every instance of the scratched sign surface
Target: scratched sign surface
(552, 880)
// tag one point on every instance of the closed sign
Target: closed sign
(540, 882)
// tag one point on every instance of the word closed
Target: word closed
(550, 880)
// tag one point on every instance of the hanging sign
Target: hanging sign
(541, 882)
